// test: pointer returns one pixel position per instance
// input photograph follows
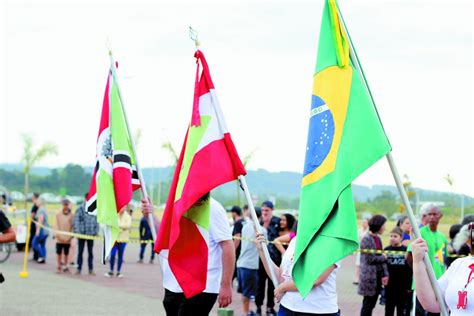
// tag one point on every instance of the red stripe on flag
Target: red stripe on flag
(122, 187)
(213, 165)
(104, 123)
(201, 86)
(188, 259)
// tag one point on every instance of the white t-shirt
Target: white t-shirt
(219, 230)
(322, 299)
(454, 280)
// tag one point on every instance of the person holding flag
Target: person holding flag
(194, 238)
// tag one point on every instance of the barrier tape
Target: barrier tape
(137, 241)
(90, 237)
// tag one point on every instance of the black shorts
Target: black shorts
(61, 247)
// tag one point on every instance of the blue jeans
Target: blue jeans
(39, 243)
(142, 250)
(120, 248)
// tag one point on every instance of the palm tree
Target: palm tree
(32, 156)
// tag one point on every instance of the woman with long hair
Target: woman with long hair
(287, 232)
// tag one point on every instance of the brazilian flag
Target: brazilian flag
(345, 137)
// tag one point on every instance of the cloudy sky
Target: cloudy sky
(417, 56)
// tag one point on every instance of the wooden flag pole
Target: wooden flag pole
(151, 220)
(429, 267)
(259, 230)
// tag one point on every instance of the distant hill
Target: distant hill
(263, 183)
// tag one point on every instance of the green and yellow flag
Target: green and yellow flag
(345, 137)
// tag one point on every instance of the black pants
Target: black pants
(177, 305)
(90, 258)
(262, 280)
(368, 304)
(142, 251)
(32, 234)
(420, 311)
(286, 312)
(396, 298)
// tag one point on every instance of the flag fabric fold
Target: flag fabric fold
(115, 176)
(345, 137)
(208, 159)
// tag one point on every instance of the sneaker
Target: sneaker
(92, 273)
(140, 261)
(271, 312)
(41, 260)
(109, 274)
(66, 270)
(119, 275)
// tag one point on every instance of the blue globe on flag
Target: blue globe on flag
(320, 135)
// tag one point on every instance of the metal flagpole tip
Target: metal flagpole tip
(193, 35)
(24, 274)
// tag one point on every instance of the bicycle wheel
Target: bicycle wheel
(5, 250)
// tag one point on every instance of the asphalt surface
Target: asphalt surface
(139, 292)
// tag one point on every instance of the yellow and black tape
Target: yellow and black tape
(137, 241)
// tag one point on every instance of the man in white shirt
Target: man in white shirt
(221, 262)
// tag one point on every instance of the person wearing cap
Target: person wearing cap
(64, 223)
(272, 225)
(456, 284)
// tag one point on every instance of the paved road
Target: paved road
(140, 292)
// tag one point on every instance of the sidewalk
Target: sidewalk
(140, 292)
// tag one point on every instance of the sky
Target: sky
(417, 56)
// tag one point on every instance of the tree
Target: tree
(32, 156)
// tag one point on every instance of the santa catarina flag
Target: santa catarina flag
(345, 137)
(208, 159)
(115, 176)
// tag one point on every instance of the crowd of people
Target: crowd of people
(77, 231)
(388, 275)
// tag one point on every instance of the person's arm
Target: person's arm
(424, 290)
(228, 263)
(282, 239)
(290, 285)
(237, 240)
(8, 235)
(260, 239)
(370, 257)
(40, 223)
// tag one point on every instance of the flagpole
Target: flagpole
(151, 220)
(259, 230)
(429, 267)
